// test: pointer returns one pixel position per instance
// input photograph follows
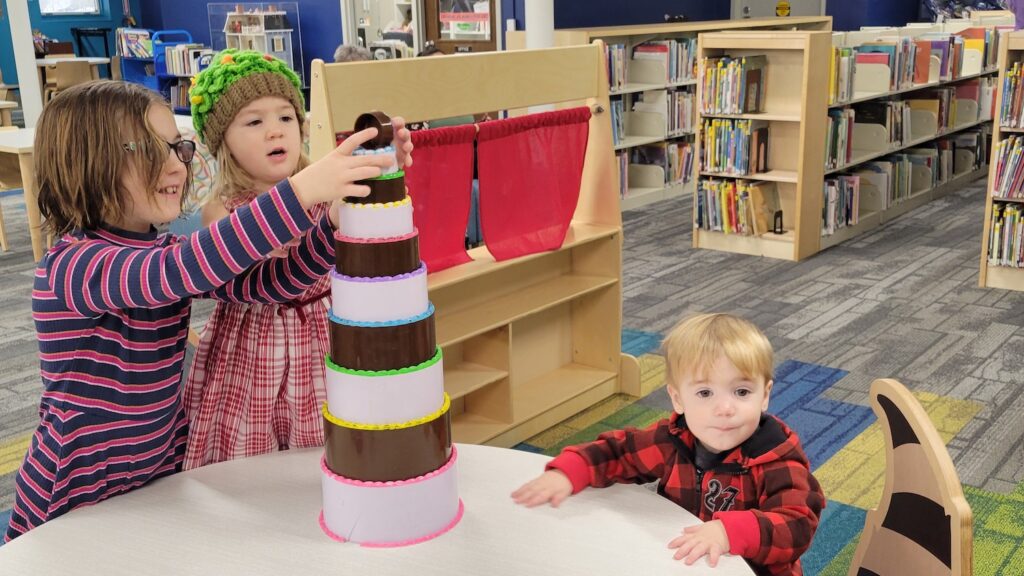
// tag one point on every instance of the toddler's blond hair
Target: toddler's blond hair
(695, 343)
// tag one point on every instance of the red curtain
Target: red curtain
(530, 169)
(440, 182)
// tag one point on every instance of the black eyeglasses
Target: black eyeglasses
(185, 150)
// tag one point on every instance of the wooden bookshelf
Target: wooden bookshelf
(795, 95)
(802, 67)
(991, 275)
(531, 341)
(644, 187)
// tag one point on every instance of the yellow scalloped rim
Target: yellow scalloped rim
(402, 202)
(374, 427)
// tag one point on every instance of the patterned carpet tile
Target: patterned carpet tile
(854, 475)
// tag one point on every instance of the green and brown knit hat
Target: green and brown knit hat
(234, 79)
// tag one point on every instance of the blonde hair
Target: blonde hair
(697, 342)
(80, 154)
(232, 180)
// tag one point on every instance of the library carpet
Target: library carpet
(844, 444)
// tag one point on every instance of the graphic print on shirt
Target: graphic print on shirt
(718, 499)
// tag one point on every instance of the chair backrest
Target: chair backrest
(115, 67)
(71, 72)
(922, 526)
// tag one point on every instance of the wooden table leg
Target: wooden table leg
(28, 184)
(5, 117)
(3, 232)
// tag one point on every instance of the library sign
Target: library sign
(782, 8)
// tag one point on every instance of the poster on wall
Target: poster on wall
(465, 19)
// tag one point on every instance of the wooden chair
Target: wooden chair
(68, 74)
(10, 177)
(922, 526)
(115, 67)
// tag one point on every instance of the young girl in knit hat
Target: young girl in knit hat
(111, 299)
(259, 379)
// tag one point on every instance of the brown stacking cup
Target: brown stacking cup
(382, 347)
(382, 190)
(388, 454)
(375, 259)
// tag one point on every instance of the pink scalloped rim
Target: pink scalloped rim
(378, 484)
(421, 270)
(351, 240)
(335, 537)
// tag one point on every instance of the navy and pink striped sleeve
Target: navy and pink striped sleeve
(278, 280)
(92, 276)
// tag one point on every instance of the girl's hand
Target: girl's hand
(707, 538)
(334, 176)
(552, 486)
(402, 142)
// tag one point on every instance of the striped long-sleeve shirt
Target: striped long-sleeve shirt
(112, 307)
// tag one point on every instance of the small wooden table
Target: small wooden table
(258, 516)
(42, 63)
(5, 112)
(20, 142)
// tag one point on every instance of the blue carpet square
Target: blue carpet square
(5, 517)
(824, 425)
(839, 525)
(528, 448)
(635, 342)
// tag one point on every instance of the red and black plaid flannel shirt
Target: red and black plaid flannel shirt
(763, 491)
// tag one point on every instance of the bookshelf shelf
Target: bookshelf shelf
(790, 176)
(651, 76)
(867, 157)
(991, 273)
(633, 141)
(865, 97)
(937, 150)
(765, 116)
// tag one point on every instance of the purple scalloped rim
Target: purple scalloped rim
(421, 270)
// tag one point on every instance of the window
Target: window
(58, 7)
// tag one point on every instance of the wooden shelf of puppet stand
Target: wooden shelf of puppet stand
(530, 341)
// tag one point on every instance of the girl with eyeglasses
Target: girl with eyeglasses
(112, 298)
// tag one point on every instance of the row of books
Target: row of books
(682, 107)
(1006, 235)
(893, 115)
(675, 158)
(616, 59)
(622, 159)
(890, 176)
(736, 206)
(840, 203)
(677, 55)
(842, 73)
(178, 95)
(187, 59)
(839, 138)
(618, 121)
(734, 85)
(134, 43)
(1008, 181)
(1011, 114)
(734, 147)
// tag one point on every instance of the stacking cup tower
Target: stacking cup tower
(389, 474)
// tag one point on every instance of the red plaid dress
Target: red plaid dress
(258, 379)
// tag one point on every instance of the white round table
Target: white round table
(259, 516)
